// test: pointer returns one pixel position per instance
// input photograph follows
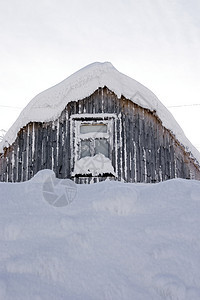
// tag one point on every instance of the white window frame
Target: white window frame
(76, 136)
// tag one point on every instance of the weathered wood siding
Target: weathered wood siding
(143, 151)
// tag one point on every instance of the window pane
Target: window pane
(101, 146)
(87, 128)
(85, 148)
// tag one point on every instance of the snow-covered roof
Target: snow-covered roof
(48, 105)
(2, 133)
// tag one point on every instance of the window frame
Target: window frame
(76, 136)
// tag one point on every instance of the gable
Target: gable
(48, 105)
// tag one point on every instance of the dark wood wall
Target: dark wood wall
(146, 151)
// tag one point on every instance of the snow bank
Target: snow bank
(113, 241)
(48, 105)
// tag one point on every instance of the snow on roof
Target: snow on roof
(48, 105)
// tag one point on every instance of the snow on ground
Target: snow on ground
(48, 105)
(110, 241)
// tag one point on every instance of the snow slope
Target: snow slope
(113, 241)
(48, 105)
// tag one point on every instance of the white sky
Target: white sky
(156, 42)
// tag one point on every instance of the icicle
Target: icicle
(120, 142)
(160, 173)
(175, 166)
(13, 164)
(115, 139)
(57, 141)
(52, 159)
(125, 156)
(27, 152)
(145, 165)
(33, 140)
(135, 160)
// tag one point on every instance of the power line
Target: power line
(7, 106)
(184, 105)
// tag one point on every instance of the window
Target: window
(88, 128)
(85, 148)
(93, 138)
(102, 146)
(91, 147)
(92, 135)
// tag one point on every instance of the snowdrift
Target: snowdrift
(110, 241)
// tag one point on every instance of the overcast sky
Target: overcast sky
(156, 42)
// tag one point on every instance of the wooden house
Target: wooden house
(97, 124)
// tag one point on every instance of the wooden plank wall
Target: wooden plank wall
(143, 151)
